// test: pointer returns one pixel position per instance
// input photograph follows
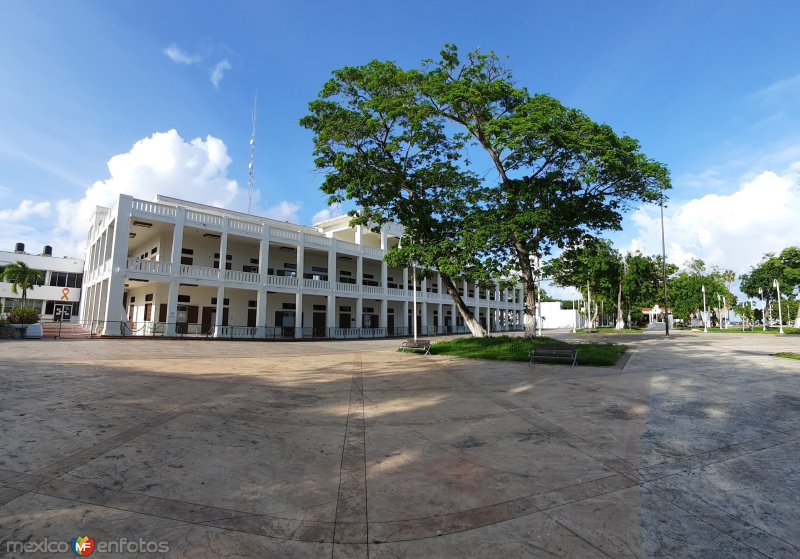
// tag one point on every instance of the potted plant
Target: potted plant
(22, 278)
(26, 320)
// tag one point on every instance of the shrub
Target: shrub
(23, 315)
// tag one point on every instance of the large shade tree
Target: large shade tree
(686, 290)
(784, 267)
(595, 268)
(389, 151)
(558, 177)
(22, 278)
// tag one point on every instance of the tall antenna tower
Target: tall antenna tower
(252, 160)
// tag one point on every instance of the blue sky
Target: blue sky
(709, 88)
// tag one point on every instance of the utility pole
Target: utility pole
(252, 163)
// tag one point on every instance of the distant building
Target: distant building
(554, 316)
(59, 296)
(172, 267)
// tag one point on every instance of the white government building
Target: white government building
(171, 267)
(58, 296)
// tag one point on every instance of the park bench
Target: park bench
(566, 353)
(419, 345)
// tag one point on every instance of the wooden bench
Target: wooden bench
(566, 353)
(419, 345)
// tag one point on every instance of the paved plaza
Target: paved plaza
(690, 448)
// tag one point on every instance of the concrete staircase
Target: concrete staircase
(64, 330)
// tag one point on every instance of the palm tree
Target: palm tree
(21, 277)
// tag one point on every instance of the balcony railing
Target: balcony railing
(149, 266)
(242, 277)
(372, 290)
(199, 272)
(153, 208)
(319, 241)
(283, 234)
(317, 284)
(246, 226)
(347, 287)
(204, 218)
(282, 281)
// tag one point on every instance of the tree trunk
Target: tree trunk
(620, 318)
(465, 312)
(530, 309)
(589, 314)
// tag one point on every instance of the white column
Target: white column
(359, 234)
(424, 316)
(223, 259)
(263, 269)
(384, 320)
(384, 239)
(441, 318)
(332, 277)
(175, 258)
(359, 273)
(114, 312)
(298, 314)
(405, 280)
(384, 278)
(301, 260)
(330, 318)
(405, 323)
(453, 317)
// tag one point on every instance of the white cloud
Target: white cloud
(731, 231)
(164, 163)
(324, 215)
(219, 72)
(285, 211)
(179, 56)
(779, 89)
(25, 210)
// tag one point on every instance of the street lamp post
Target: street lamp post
(705, 312)
(413, 285)
(764, 311)
(664, 268)
(777, 286)
(719, 309)
(753, 312)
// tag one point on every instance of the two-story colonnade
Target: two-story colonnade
(177, 268)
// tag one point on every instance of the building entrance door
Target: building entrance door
(319, 324)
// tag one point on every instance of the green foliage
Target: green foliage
(395, 142)
(22, 278)
(686, 293)
(643, 282)
(507, 348)
(745, 311)
(784, 267)
(594, 262)
(788, 309)
(23, 315)
(788, 355)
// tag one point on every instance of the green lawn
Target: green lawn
(787, 355)
(506, 348)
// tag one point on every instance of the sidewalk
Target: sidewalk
(351, 449)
